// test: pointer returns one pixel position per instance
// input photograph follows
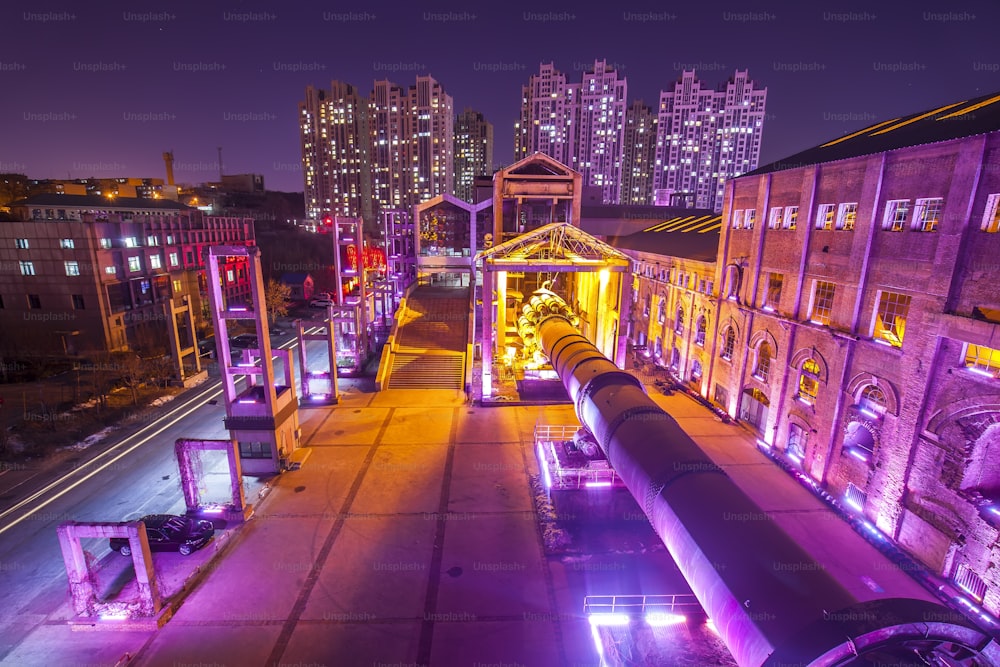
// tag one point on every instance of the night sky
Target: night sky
(103, 90)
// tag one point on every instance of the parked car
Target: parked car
(168, 532)
(320, 303)
(206, 346)
(244, 341)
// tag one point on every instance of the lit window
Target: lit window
(177, 287)
(105, 243)
(131, 242)
(791, 216)
(173, 259)
(134, 264)
(21, 244)
(982, 359)
(699, 336)
(772, 298)
(695, 370)
(229, 276)
(751, 216)
(762, 367)
(728, 344)
(109, 270)
(738, 218)
(822, 302)
(927, 214)
(873, 401)
(774, 220)
(824, 216)
(847, 215)
(72, 268)
(154, 262)
(991, 217)
(679, 322)
(890, 318)
(896, 212)
(27, 268)
(809, 381)
(797, 439)
(661, 310)
(66, 243)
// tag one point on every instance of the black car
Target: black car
(244, 341)
(167, 532)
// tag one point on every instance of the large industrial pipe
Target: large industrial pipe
(773, 605)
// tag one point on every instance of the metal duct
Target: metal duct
(772, 604)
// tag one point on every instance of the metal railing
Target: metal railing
(640, 605)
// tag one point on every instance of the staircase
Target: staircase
(431, 340)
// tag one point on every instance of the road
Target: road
(135, 476)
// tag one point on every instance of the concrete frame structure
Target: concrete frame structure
(398, 239)
(353, 314)
(536, 179)
(81, 579)
(263, 418)
(310, 398)
(237, 508)
(179, 353)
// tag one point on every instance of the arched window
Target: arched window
(873, 402)
(661, 310)
(696, 370)
(699, 336)
(658, 348)
(728, 344)
(675, 359)
(679, 322)
(646, 304)
(798, 437)
(762, 369)
(809, 381)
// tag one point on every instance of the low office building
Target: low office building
(82, 274)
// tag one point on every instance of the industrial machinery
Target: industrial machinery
(771, 602)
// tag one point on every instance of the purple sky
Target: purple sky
(103, 91)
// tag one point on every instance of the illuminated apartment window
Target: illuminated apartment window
(700, 330)
(230, 277)
(134, 264)
(772, 298)
(131, 242)
(72, 268)
(177, 287)
(896, 212)
(105, 243)
(110, 270)
(798, 437)
(66, 244)
(791, 217)
(151, 240)
(927, 214)
(155, 262)
(890, 318)
(751, 217)
(822, 302)
(774, 219)
(983, 360)
(762, 366)
(27, 268)
(991, 217)
(847, 215)
(173, 259)
(809, 381)
(21, 244)
(970, 582)
(679, 322)
(78, 302)
(728, 344)
(824, 216)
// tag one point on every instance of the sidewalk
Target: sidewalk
(410, 536)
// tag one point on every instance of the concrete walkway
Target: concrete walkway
(409, 537)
